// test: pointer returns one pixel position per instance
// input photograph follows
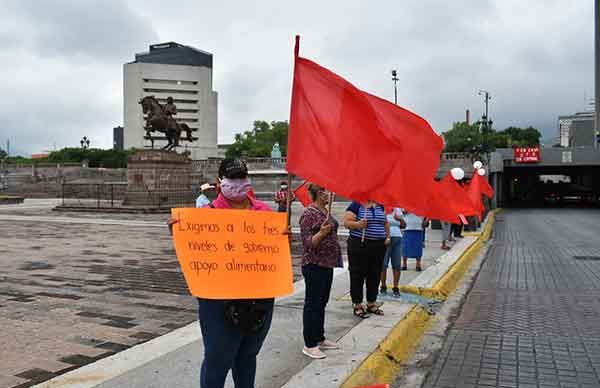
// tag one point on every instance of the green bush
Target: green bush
(96, 157)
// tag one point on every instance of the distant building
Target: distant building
(577, 130)
(118, 138)
(222, 150)
(41, 155)
(182, 72)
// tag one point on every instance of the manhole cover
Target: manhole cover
(587, 257)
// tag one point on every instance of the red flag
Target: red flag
(486, 188)
(440, 205)
(473, 191)
(358, 145)
(459, 196)
(447, 201)
(302, 194)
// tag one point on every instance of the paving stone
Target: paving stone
(535, 307)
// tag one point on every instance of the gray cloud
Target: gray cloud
(61, 62)
(100, 31)
(61, 70)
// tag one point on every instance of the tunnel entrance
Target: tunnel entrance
(553, 186)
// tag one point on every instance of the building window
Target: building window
(174, 91)
(170, 82)
(178, 101)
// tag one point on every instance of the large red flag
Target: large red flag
(358, 145)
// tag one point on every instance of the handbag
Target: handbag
(247, 315)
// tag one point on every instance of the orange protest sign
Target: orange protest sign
(233, 254)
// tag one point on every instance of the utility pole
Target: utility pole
(395, 79)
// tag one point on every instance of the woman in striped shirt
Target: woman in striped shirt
(369, 236)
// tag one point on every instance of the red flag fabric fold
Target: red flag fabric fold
(358, 145)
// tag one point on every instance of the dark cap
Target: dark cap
(233, 169)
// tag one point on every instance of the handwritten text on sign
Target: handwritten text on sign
(233, 254)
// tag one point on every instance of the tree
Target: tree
(462, 137)
(465, 137)
(259, 141)
(3, 154)
(522, 137)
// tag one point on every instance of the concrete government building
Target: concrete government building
(184, 73)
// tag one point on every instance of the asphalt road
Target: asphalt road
(531, 318)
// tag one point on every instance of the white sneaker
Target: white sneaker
(328, 345)
(315, 353)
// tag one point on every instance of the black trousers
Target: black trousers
(365, 261)
(457, 229)
(318, 286)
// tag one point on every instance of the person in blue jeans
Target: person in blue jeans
(393, 252)
(233, 331)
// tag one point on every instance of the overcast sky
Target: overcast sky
(61, 61)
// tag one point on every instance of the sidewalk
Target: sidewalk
(173, 360)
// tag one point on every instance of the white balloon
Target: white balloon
(477, 165)
(457, 173)
(481, 171)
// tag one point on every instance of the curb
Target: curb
(383, 364)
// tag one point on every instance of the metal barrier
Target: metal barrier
(97, 195)
(113, 195)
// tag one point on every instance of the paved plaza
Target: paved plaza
(78, 287)
(532, 317)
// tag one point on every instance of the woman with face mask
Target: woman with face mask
(322, 253)
(233, 331)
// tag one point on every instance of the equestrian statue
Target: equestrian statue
(160, 118)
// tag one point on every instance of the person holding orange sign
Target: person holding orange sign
(233, 331)
(322, 253)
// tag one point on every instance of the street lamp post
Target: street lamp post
(85, 142)
(486, 123)
(395, 79)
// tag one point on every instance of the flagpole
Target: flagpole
(289, 202)
(289, 177)
(364, 231)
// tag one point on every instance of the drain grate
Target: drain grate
(587, 258)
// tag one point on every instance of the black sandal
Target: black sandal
(374, 309)
(360, 311)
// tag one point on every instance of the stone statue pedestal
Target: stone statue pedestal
(158, 179)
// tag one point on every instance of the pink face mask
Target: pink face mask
(235, 189)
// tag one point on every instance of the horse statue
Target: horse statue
(158, 120)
